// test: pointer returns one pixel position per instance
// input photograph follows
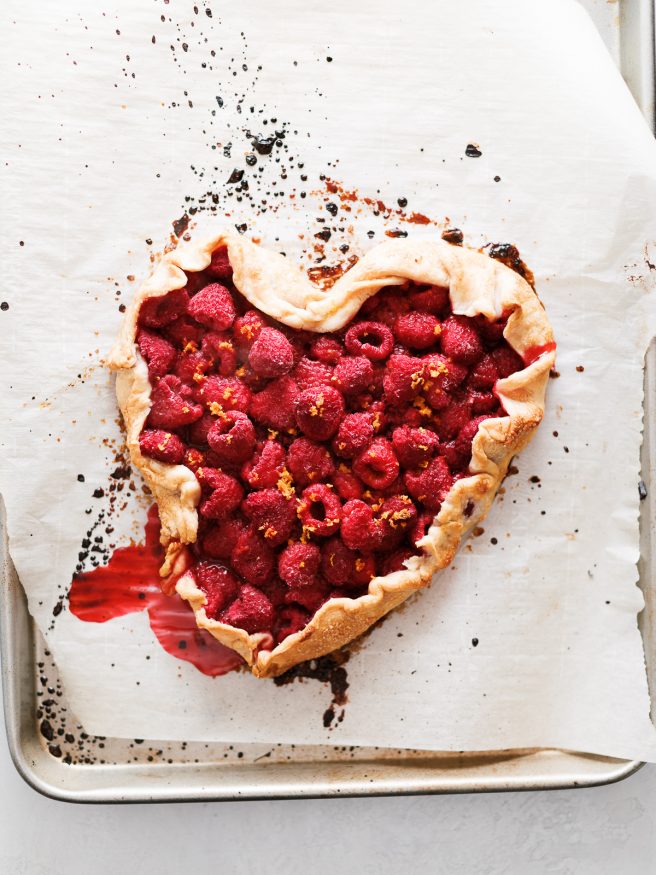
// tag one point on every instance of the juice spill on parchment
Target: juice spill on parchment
(130, 582)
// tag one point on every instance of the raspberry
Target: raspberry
(353, 374)
(343, 567)
(396, 561)
(404, 378)
(252, 611)
(220, 350)
(266, 467)
(160, 311)
(220, 267)
(485, 374)
(434, 299)
(274, 406)
(355, 433)
(414, 445)
(225, 498)
(309, 462)
(298, 564)
(438, 370)
(492, 332)
(319, 411)
(377, 466)
(396, 515)
(412, 417)
(483, 402)
(386, 306)
(326, 349)
(246, 328)
(272, 514)
(309, 374)
(507, 361)
(228, 392)
(430, 485)
(252, 557)
(219, 585)
(463, 443)
(423, 522)
(183, 331)
(347, 485)
(417, 330)
(194, 459)
(371, 339)
(460, 340)
(232, 437)
(198, 430)
(275, 590)
(289, 621)
(162, 446)
(320, 510)
(158, 353)
(220, 538)
(309, 597)
(271, 355)
(213, 306)
(453, 418)
(453, 458)
(191, 367)
(172, 405)
(358, 529)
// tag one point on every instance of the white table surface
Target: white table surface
(608, 829)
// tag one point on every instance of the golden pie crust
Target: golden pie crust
(477, 284)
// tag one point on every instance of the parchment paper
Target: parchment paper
(110, 121)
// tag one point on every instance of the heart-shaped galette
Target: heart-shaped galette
(316, 455)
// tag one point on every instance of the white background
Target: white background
(603, 830)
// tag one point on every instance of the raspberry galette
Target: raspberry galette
(317, 455)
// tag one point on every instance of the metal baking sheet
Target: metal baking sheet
(54, 755)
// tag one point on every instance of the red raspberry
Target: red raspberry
(289, 621)
(507, 361)
(343, 567)
(492, 332)
(162, 445)
(252, 611)
(183, 331)
(275, 590)
(228, 392)
(430, 485)
(377, 466)
(359, 530)
(353, 374)
(309, 462)
(172, 405)
(319, 412)
(220, 267)
(274, 406)
(404, 378)
(266, 467)
(453, 418)
(219, 348)
(485, 374)
(191, 367)
(194, 459)
(213, 306)
(221, 537)
(309, 597)
(225, 498)
(483, 402)
(320, 510)
(440, 371)
(248, 376)
(252, 557)
(394, 518)
(412, 417)
(158, 353)
(159, 311)
(463, 443)
(423, 522)
(246, 328)
(198, 430)
(414, 445)
(396, 561)
(434, 299)
(271, 355)
(355, 433)
(309, 374)
(326, 349)
(272, 514)
(460, 340)
(371, 339)
(232, 437)
(347, 485)
(453, 458)
(219, 585)
(386, 306)
(298, 564)
(417, 330)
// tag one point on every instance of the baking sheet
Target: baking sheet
(554, 665)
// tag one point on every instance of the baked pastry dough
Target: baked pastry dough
(478, 285)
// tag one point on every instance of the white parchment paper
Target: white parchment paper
(110, 120)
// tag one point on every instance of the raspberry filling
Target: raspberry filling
(322, 459)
